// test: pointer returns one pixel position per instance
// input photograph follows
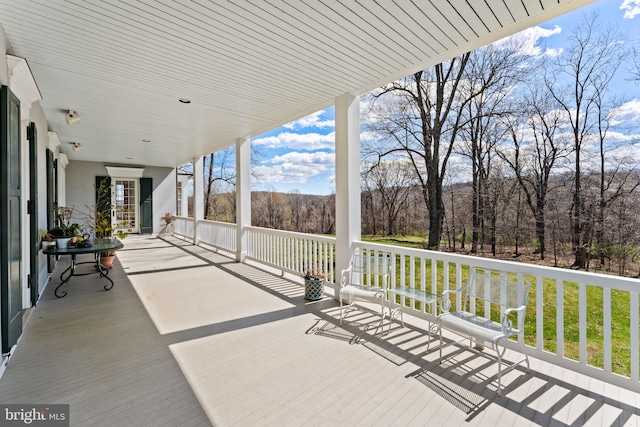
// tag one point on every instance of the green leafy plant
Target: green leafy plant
(97, 218)
(64, 227)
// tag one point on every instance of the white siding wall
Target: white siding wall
(4, 76)
(38, 117)
(80, 180)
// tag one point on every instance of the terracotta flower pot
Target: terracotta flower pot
(107, 261)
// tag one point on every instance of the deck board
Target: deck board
(99, 352)
(189, 337)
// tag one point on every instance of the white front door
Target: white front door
(125, 201)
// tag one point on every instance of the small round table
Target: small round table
(98, 245)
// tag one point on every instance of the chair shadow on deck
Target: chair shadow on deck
(465, 379)
(470, 391)
(461, 379)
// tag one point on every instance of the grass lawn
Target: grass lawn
(620, 309)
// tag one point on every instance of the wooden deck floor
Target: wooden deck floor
(189, 337)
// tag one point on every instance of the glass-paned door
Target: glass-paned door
(125, 201)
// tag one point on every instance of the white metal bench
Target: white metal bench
(487, 291)
(366, 279)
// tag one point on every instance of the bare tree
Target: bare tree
(295, 207)
(489, 78)
(219, 176)
(635, 67)
(394, 182)
(369, 208)
(423, 124)
(590, 62)
(328, 215)
(538, 146)
(269, 209)
(615, 181)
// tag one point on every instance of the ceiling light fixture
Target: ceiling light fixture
(76, 146)
(72, 118)
(184, 101)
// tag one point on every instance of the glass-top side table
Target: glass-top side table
(428, 299)
(97, 246)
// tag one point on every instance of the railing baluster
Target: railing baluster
(434, 274)
(633, 329)
(458, 286)
(560, 318)
(539, 313)
(445, 279)
(606, 326)
(582, 321)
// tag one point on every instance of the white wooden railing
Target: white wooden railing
(221, 235)
(183, 226)
(582, 333)
(292, 252)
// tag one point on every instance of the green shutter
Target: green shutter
(146, 206)
(32, 207)
(103, 195)
(51, 201)
(10, 220)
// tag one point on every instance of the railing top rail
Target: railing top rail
(293, 234)
(560, 274)
(217, 223)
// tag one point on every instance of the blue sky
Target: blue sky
(300, 155)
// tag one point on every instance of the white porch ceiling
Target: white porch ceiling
(247, 66)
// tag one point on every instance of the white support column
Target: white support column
(183, 204)
(198, 196)
(63, 161)
(347, 112)
(243, 197)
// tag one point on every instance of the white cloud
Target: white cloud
(527, 41)
(298, 141)
(627, 113)
(312, 120)
(553, 52)
(294, 167)
(369, 136)
(313, 159)
(631, 8)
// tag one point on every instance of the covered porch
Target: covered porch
(188, 336)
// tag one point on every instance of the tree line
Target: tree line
(541, 125)
(496, 148)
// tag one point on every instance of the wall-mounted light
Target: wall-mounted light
(76, 146)
(72, 118)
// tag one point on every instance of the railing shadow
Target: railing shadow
(460, 379)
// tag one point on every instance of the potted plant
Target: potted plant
(64, 231)
(97, 221)
(46, 238)
(168, 218)
(105, 230)
(314, 284)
